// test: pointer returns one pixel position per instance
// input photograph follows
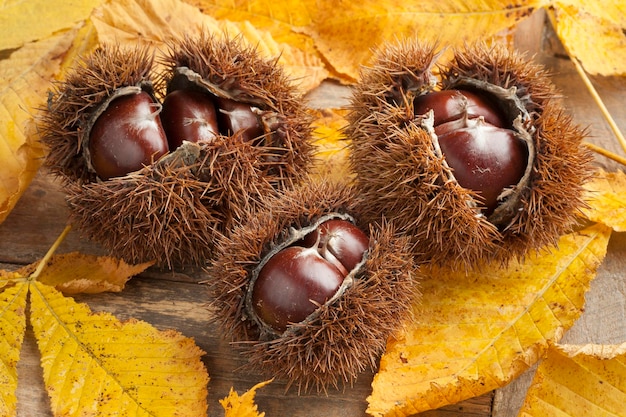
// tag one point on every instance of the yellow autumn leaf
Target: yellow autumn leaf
(12, 328)
(242, 406)
(331, 145)
(278, 17)
(155, 21)
(75, 272)
(282, 19)
(345, 33)
(84, 42)
(345, 36)
(95, 365)
(474, 333)
(607, 199)
(21, 21)
(8, 278)
(24, 81)
(576, 381)
(594, 33)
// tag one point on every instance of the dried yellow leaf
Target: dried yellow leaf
(154, 22)
(331, 145)
(476, 332)
(244, 406)
(594, 33)
(94, 364)
(607, 199)
(12, 328)
(21, 21)
(346, 35)
(24, 80)
(281, 19)
(74, 273)
(85, 41)
(573, 381)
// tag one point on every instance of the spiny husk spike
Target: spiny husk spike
(73, 100)
(348, 335)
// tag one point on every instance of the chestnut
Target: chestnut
(291, 285)
(485, 155)
(484, 158)
(448, 105)
(235, 117)
(295, 281)
(127, 136)
(340, 242)
(188, 115)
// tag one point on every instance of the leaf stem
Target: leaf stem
(600, 150)
(53, 248)
(600, 103)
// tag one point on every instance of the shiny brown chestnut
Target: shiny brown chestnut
(449, 105)
(474, 135)
(199, 116)
(189, 115)
(238, 118)
(127, 136)
(484, 158)
(296, 280)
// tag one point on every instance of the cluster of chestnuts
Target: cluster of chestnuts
(159, 163)
(482, 166)
(134, 130)
(207, 160)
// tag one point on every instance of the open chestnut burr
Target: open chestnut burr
(158, 164)
(307, 291)
(482, 165)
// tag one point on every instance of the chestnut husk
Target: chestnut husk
(227, 69)
(344, 336)
(402, 174)
(174, 210)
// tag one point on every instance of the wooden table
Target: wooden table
(176, 299)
